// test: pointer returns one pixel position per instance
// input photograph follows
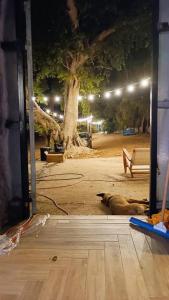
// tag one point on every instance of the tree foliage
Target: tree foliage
(54, 42)
(93, 42)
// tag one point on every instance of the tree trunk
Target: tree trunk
(71, 113)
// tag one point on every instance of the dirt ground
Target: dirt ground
(107, 145)
(75, 183)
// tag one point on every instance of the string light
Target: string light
(107, 95)
(61, 117)
(144, 82)
(131, 88)
(81, 120)
(48, 111)
(55, 114)
(45, 99)
(91, 97)
(118, 92)
(87, 119)
(57, 99)
(98, 122)
(79, 98)
(33, 98)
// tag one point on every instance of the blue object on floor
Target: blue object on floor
(129, 131)
(148, 227)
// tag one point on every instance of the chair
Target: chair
(138, 162)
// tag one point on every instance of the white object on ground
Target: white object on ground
(161, 227)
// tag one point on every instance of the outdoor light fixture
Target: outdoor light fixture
(55, 114)
(98, 122)
(45, 99)
(107, 95)
(80, 98)
(130, 88)
(48, 111)
(91, 97)
(57, 99)
(144, 82)
(118, 92)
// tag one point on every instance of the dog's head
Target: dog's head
(105, 198)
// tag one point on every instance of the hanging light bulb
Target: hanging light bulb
(131, 88)
(57, 99)
(48, 111)
(144, 82)
(91, 97)
(55, 114)
(61, 117)
(79, 98)
(33, 98)
(107, 95)
(118, 92)
(45, 99)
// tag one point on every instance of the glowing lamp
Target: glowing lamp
(130, 88)
(91, 97)
(107, 95)
(57, 99)
(144, 82)
(118, 92)
(80, 98)
(45, 99)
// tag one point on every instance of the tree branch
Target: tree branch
(103, 35)
(73, 14)
(100, 38)
(46, 116)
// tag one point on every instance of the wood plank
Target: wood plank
(8, 297)
(150, 269)
(135, 284)
(68, 238)
(10, 287)
(95, 284)
(115, 280)
(89, 221)
(52, 227)
(89, 265)
(161, 261)
(31, 290)
(53, 287)
(78, 217)
(159, 298)
(76, 281)
(124, 217)
(81, 231)
(37, 256)
(69, 245)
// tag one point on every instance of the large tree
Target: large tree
(83, 41)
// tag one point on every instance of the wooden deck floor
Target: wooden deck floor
(86, 258)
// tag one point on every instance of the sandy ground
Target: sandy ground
(108, 145)
(75, 184)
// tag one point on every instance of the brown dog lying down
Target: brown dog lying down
(120, 205)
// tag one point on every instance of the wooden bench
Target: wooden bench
(138, 162)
